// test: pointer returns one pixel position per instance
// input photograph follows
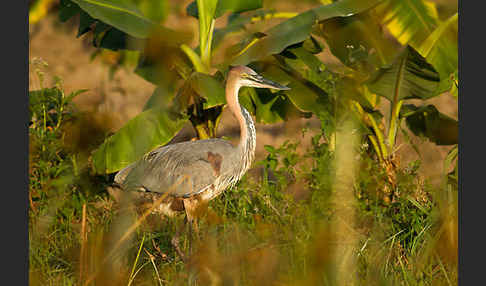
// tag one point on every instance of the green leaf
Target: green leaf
(85, 22)
(312, 45)
(198, 86)
(428, 122)
(67, 10)
(440, 48)
(115, 39)
(455, 84)
(417, 204)
(163, 63)
(269, 148)
(235, 6)
(236, 23)
(150, 129)
(271, 107)
(184, 97)
(451, 157)
(195, 59)
(161, 98)
(246, 99)
(310, 81)
(209, 88)
(297, 29)
(43, 99)
(354, 90)
(410, 21)
(410, 76)
(359, 41)
(119, 14)
(304, 95)
(117, 24)
(206, 10)
(42, 102)
(264, 107)
(308, 69)
(156, 11)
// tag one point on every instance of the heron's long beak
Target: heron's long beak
(266, 83)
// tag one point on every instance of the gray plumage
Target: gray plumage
(200, 170)
(189, 168)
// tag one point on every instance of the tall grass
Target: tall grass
(312, 218)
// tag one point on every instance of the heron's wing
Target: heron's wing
(122, 174)
(180, 169)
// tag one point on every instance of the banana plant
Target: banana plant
(376, 67)
(189, 86)
(164, 58)
(418, 62)
(435, 52)
(409, 77)
(422, 66)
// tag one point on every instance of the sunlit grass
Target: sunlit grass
(317, 218)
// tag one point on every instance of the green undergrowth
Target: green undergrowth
(276, 227)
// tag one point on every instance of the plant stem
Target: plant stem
(136, 260)
(201, 131)
(392, 131)
(376, 147)
(205, 121)
(195, 59)
(45, 117)
(377, 141)
(206, 57)
(61, 109)
(379, 136)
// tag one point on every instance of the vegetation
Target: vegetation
(342, 212)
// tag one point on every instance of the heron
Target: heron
(192, 173)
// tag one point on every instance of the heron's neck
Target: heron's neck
(247, 142)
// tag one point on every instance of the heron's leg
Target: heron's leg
(190, 206)
(175, 243)
(115, 192)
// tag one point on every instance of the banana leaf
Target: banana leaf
(440, 47)
(119, 14)
(427, 121)
(148, 130)
(296, 30)
(410, 76)
(235, 6)
(410, 22)
(358, 41)
(115, 24)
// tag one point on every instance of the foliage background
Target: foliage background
(115, 94)
(125, 95)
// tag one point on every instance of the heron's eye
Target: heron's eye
(244, 75)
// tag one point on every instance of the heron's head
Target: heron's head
(245, 76)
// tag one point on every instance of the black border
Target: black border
(471, 143)
(14, 116)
